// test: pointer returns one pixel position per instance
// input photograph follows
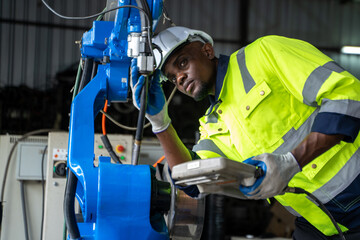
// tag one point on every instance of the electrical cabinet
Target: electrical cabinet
(31, 160)
(24, 167)
(50, 152)
(56, 178)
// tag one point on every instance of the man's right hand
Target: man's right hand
(157, 110)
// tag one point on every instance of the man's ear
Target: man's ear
(208, 50)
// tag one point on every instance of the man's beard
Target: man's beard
(203, 92)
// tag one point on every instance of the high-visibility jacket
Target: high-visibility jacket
(274, 92)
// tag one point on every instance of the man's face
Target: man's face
(193, 70)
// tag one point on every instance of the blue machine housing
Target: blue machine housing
(114, 199)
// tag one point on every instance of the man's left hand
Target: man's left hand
(157, 109)
(279, 170)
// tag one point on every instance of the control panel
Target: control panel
(56, 175)
(121, 144)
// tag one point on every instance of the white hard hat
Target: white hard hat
(171, 38)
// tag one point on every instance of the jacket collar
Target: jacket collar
(220, 76)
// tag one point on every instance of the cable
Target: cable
(71, 181)
(87, 72)
(43, 192)
(159, 161)
(134, 128)
(166, 16)
(171, 96)
(69, 211)
(77, 81)
(94, 69)
(94, 15)
(64, 231)
(141, 4)
(23, 207)
(101, 16)
(105, 139)
(144, 5)
(75, 92)
(321, 205)
(106, 11)
(9, 160)
(140, 122)
(145, 13)
(104, 117)
(119, 124)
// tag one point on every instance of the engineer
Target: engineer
(278, 100)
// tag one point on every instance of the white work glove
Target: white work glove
(157, 110)
(278, 169)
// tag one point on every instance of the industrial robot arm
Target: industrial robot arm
(117, 201)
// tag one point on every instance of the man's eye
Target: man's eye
(183, 63)
(173, 79)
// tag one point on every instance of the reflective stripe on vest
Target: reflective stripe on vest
(315, 81)
(341, 180)
(208, 145)
(292, 211)
(213, 116)
(311, 212)
(341, 107)
(300, 204)
(248, 80)
(294, 137)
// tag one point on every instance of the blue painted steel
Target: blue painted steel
(118, 37)
(124, 202)
(94, 41)
(156, 9)
(81, 141)
(114, 199)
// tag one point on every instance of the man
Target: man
(278, 100)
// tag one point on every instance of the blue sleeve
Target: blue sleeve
(334, 123)
(193, 190)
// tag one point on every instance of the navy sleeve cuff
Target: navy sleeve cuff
(193, 155)
(334, 123)
(192, 191)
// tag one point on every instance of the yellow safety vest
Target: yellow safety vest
(272, 91)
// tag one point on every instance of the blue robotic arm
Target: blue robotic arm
(117, 201)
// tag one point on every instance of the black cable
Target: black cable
(166, 16)
(146, 26)
(69, 201)
(87, 73)
(94, 69)
(109, 148)
(145, 6)
(141, 117)
(23, 206)
(9, 160)
(321, 205)
(94, 15)
(140, 123)
(142, 15)
(71, 181)
(161, 55)
(43, 193)
(147, 16)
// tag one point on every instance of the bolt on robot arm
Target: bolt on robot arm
(117, 201)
